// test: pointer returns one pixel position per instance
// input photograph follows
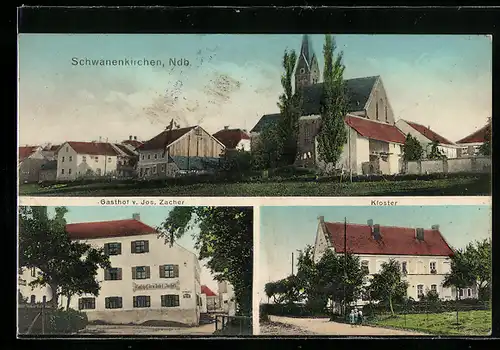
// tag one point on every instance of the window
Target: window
(376, 110)
(404, 267)
(149, 156)
(197, 132)
(432, 267)
(170, 300)
(33, 272)
(96, 159)
(469, 292)
(386, 119)
(434, 288)
(154, 169)
(143, 157)
(69, 171)
(141, 272)
(67, 149)
(156, 156)
(420, 291)
(142, 301)
(86, 303)
(113, 274)
(70, 158)
(84, 158)
(461, 292)
(109, 159)
(365, 266)
(62, 159)
(169, 271)
(138, 247)
(33, 299)
(114, 248)
(113, 302)
(62, 171)
(302, 70)
(163, 167)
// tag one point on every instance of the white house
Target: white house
(148, 280)
(469, 146)
(426, 137)
(234, 139)
(423, 254)
(226, 298)
(30, 160)
(86, 159)
(182, 150)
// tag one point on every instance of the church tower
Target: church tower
(307, 69)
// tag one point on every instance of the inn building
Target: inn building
(423, 254)
(148, 279)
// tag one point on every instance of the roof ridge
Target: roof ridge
(356, 224)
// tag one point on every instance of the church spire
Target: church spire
(306, 49)
(307, 70)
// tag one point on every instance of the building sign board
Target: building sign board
(151, 286)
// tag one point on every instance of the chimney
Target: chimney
(435, 227)
(321, 219)
(370, 222)
(135, 138)
(226, 127)
(376, 232)
(136, 216)
(419, 234)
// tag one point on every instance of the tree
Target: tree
(388, 285)
(67, 267)
(333, 134)
(268, 148)
(225, 239)
(309, 281)
(435, 152)
(284, 291)
(412, 149)
(485, 148)
(477, 260)
(290, 103)
(235, 162)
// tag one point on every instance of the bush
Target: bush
(289, 310)
(290, 171)
(66, 321)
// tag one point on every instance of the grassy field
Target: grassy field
(468, 186)
(470, 323)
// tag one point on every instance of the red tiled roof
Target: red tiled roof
(26, 151)
(207, 291)
(431, 135)
(93, 148)
(375, 130)
(167, 136)
(394, 240)
(105, 229)
(133, 143)
(231, 137)
(478, 136)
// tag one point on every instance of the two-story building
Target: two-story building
(423, 253)
(426, 137)
(234, 139)
(86, 159)
(182, 150)
(227, 300)
(470, 145)
(148, 279)
(30, 161)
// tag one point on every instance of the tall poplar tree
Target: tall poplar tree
(333, 134)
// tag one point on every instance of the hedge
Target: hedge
(57, 321)
(288, 310)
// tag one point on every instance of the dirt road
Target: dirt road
(325, 327)
(98, 330)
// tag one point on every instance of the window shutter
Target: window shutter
(176, 270)
(119, 248)
(120, 302)
(107, 275)
(162, 271)
(133, 273)
(146, 246)
(80, 304)
(135, 301)
(132, 247)
(148, 272)
(119, 273)
(106, 249)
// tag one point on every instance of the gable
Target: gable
(429, 134)
(478, 136)
(166, 137)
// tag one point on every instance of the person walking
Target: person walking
(352, 318)
(360, 317)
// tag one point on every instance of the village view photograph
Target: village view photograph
(364, 271)
(123, 271)
(254, 115)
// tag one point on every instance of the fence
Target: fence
(448, 166)
(32, 318)
(235, 325)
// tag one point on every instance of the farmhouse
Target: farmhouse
(469, 146)
(423, 253)
(210, 300)
(127, 159)
(182, 150)
(148, 280)
(426, 137)
(374, 142)
(234, 139)
(30, 159)
(86, 159)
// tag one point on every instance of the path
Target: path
(206, 329)
(325, 327)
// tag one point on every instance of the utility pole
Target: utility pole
(292, 263)
(345, 263)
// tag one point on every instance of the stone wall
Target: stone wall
(185, 316)
(452, 165)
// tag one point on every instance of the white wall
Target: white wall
(203, 303)
(394, 157)
(362, 152)
(25, 278)
(244, 145)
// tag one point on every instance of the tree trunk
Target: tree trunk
(68, 301)
(54, 300)
(390, 304)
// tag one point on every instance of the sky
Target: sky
(152, 216)
(284, 230)
(440, 81)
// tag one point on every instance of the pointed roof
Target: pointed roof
(231, 137)
(428, 133)
(164, 138)
(394, 240)
(26, 151)
(306, 49)
(375, 130)
(207, 291)
(107, 229)
(93, 148)
(477, 136)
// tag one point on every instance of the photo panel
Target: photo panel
(375, 271)
(135, 271)
(204, 115)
